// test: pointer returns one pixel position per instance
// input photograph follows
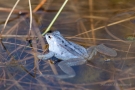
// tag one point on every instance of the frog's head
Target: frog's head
(53, 37)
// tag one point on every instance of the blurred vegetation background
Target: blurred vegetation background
(86, 22)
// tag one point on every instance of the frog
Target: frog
(70, 53)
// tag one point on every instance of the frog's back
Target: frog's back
(64, 48)
(61, 52)
(80, 50)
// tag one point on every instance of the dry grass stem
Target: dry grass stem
(10, 15)
(92, 21)
(40, 5)
(30, 16)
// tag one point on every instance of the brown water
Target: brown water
(87, 23)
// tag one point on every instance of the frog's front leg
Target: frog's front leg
(46, 56)
(102, 49)
(65, 66)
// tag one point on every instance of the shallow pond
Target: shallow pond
(85, 22)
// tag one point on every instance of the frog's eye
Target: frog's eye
(49, 37)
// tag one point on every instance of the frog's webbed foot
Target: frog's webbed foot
(65, 66)
(101, 49)
(46, 56)
(106, 50)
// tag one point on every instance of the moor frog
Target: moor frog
(70, 53)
